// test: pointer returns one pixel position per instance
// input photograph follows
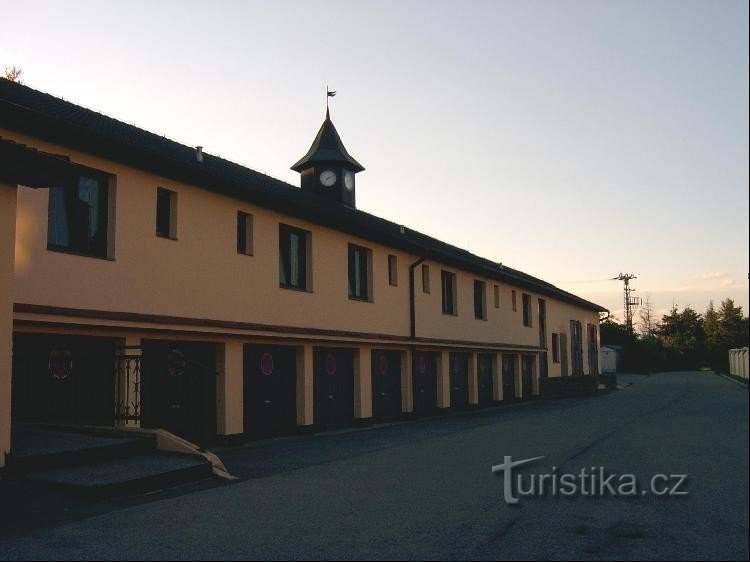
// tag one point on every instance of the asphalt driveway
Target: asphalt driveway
(425, 489)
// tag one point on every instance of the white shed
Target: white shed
(608, 359)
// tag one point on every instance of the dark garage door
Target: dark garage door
(425, 383)
(509, 378)
(334, 387)
(386, 384)
(270, 390)
(459, 373)
(527, 371)
(63, 379)
(484, 378)
(179, 388)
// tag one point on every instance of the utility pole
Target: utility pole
(630, 301)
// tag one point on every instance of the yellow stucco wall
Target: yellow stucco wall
(7, 243)
(559, 316)
(201, 275)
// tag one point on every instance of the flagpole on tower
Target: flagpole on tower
(329, 94)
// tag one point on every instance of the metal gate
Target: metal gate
(128, 387)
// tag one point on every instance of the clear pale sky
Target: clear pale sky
(570, 139)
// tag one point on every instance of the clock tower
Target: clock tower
(327, 169)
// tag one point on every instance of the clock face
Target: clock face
(328, 178)
(349, 180)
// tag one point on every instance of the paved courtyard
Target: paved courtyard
(425, 489)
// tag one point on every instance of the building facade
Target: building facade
(156, 285)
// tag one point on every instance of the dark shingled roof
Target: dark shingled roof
(24, 165)
(55, 120)
(327, 148)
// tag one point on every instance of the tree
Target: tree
(635, 355)
(733, 326)
(647, 324)
(13, 73)
(712, 331)
(712, 325)
(613, 333)
(682, 336)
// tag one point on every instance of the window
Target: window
(542, 323)
(392, 270)
(497, 296)
(425, 278)
(448, 281)
(294, 246)
(576, 347)
(526, 310)
(480, 308)
(244, 233)
(166, 213)
(78, 215)
(513, 299)
(555, 348)
(593, 350)
(359, 272)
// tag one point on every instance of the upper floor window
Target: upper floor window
(497, 296)
(555, 348)
(294, 249)
(392, 270)
(244, 233)
(425, 278)
(448, 282)
(166, 213)
(480, 307)
(513, 300)
(78, 215)
(359, 272)
(526, 310)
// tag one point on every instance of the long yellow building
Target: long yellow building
(154, 284)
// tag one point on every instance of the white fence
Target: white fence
(738, 359)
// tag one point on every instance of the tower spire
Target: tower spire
(328, 169)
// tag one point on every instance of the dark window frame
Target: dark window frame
(359, 272)
(166, 197)
(79, 220)
(496, 295)
(426, 278)
(448, 292)
(526, 306)
(542, 325)
(393, 270)
(480, 299)
(555, 348)
(287, 234)
(245, 242)
(576, 347)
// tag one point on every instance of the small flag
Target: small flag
(331, 93)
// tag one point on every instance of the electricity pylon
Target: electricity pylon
(630, 301)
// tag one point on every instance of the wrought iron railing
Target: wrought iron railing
(128, 387)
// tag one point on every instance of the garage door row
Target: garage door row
(72, 380)
(270, 385)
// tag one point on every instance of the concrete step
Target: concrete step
(36, 449)
(126, 476)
